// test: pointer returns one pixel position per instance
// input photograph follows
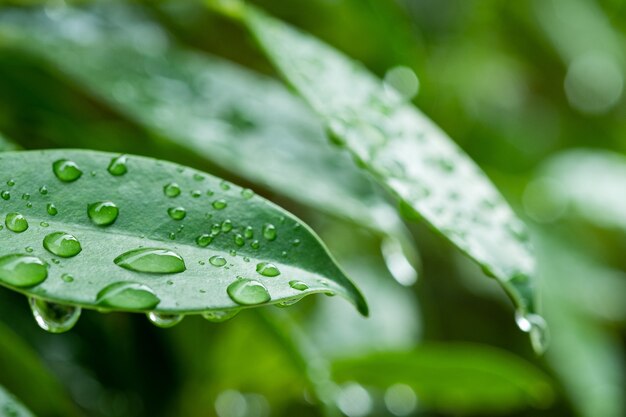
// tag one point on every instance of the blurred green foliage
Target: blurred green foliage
(520, 86)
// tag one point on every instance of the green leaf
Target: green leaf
(6, 145)
(11, 407)
(22, 369)
(588, 184)
(136, 234)
(431, 177)
(455, 379)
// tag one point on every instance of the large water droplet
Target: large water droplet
(267, 269)
(6, 195)
(177, 213)
(248, 292)
(53, 317)
(165, 320)
(298, 285)
(249, 232)
(220, 204)
(217, 261)
(62, 244)
(152, 260)
(103, 213)
(204, 240)
(269, 232)
(239, 240)
(536, 327)
(171, 190)
(219, 316)
(128, 295)
(22, 270)
(15, 222)
(117, 166)
(227, 226)
(66, 171)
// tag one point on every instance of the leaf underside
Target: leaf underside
(10, 407)
(247, 231)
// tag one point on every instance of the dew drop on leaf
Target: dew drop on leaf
(298, 285)
(52, 209)
(62, 244)
(22, 270)
(269, 232)
(171, 190)
(267, 269)
(53, 317)
(219, 316)
(247, 193)
(103, 213)
(177, 213)
(128, 295)
(151, 260)
(204, 240)
(239, 240)
(67, 278)
(248, 232)
(117, 166)
(255, 244)
(220, 204)
(227, 226)
(43, 190)
(16, 222)
(165, 320)
(6, 195)
(66, 171)
(248, 292)
(217, 261)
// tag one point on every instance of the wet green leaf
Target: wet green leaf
(11, 407)
(431, 177)
(455, 379)
(218, 257)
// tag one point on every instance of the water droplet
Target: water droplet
(25, 196)
(289, 302)
(128, 295)
(220, 204)
(233, 252)
(151, 260)
(296, 242)
(52, 209)
(164, 320)
(44, 224)
(43, 190)
(15, 222)
(6, 195)
(171, 190)
(247, 193)
(62, 244)
(248, 292)
(269, 232)
(53, 317)
(249, 232)
(255, 244)
(204, 240)
(216, 228)
(117, 166)
(537, 328)
(217, 261)
(67, 278)
(219, 316)
(11, 183)
(267, 269)
(198, 177)
(172, 236)
(298, 285)
(29, 249)
(224, 186)
(66, 171)
(177, 213)
(103, 213)
(22, 270)
(196, 194)
(227, 226)
(239, 240)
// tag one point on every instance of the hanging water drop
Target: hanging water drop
(53, 317)
(165, 320)
(248, 292)
(219, 316)
(15, 222)
(22, 270)
(128, 295)
(117, 166)
(103, 213)
(66, 171)
(151, 260)
(217, 261)
(267, 269)
(536, 327)
(62, 244)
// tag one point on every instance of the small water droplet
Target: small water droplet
(227, 226)
(219, 316)
(210, 193)
(103, 213)
(15, 222)
(44, 224)
(171, 190)
(6, 195)
(53, 317)
(164, 320)
(172, 236)
(239, 240)
(43, 190)
(62, 244)
(196, 193)
(22, 270)
(249, 232)
(67, 278)
(224, 186)
(269, 232)
(11, 183)
(296, 242)
(289, 302)
(247, 193)
(177, 213)
(255, 244)
(220, 204)
(217, 261)
(267, 269)
(536, 327)
(204, 240)
(29, 249)
(246, 259)
(52, 209)
(25, 196)
(117, 166)
(128, 295)
(298, 285)
(248, 292)
(66, 171)
(198, 177)
(151, 260)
